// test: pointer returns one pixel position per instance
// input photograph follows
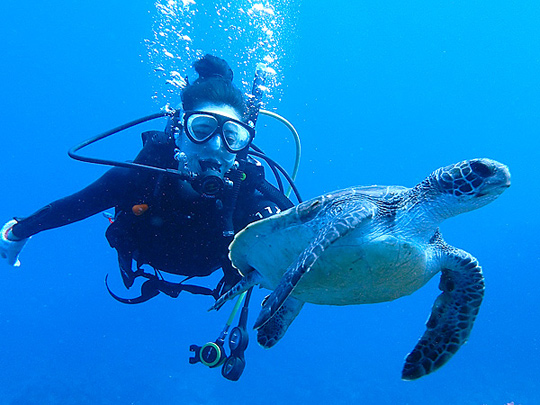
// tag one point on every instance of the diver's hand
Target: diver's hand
(9, 248)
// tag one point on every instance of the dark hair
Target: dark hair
(214, 85)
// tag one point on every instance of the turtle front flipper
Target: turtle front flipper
(335, 222)
(273, 330)
(452, 315)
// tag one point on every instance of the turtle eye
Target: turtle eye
(481, 169)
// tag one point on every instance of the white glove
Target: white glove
(10, 249)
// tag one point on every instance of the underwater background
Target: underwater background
(380, 92)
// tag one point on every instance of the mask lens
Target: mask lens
(236, 136)
(201, 126)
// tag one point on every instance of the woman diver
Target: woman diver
(175, 224)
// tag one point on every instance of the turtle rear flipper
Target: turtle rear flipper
(340, 223)
(452, 316)
(273, 330)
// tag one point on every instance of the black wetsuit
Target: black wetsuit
(176, 234)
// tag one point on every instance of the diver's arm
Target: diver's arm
(110, 190)
(114, 188)
(102, 194)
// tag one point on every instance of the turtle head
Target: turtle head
(471, 184)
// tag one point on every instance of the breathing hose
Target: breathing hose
(296, 137)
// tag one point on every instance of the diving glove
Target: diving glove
(10, 249)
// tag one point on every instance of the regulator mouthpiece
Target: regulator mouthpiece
(209, 183)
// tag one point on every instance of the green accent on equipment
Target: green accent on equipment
(217, 358)
(235, 310)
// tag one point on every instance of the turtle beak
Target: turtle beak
(497, 183)
(501, 178)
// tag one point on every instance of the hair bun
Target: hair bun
(211, 66)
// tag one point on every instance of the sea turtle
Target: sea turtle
(364, 245)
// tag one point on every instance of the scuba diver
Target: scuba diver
(180, 216)
(178, 205)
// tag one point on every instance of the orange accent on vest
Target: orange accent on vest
(139, 209)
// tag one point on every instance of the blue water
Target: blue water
(381, 94)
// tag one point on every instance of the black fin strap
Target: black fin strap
(195, 289)
(153, 286)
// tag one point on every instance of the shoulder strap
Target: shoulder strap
(156, 137)
(158, 150)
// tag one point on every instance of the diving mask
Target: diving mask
(200, 126)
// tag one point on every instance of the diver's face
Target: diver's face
(211, 154)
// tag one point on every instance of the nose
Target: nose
(215, 142)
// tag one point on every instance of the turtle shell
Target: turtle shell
(370, 264)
